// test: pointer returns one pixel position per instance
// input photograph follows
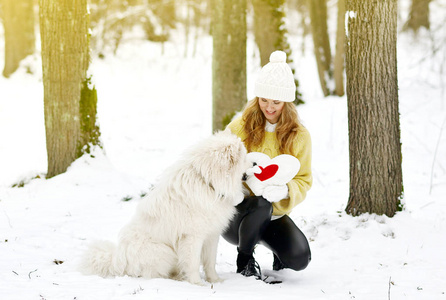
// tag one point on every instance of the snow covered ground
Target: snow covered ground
(151, 107)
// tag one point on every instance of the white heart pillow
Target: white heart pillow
(266, 171)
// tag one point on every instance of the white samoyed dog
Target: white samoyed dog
(178, 224)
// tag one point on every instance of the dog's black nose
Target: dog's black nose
(244, 177)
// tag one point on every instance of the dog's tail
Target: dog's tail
(103, 258)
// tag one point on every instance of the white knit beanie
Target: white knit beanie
(276, 81)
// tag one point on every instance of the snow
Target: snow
(153, 105)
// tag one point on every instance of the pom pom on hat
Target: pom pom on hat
(277, 57)
(276, 80)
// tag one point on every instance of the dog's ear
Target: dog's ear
(232, 155)
(229, 150)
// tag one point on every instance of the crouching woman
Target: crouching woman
(270, 124)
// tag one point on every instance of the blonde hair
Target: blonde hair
(287, 129)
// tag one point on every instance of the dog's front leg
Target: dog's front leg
(189, 250)
(209, 256)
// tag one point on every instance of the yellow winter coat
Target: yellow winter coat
(303, 180)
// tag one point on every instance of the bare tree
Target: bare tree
(65, 59)
(18, 21)
(267, 33)
(376, 182)
(418, 16)
(112, 19)
(271, 34)
(339, 59)
(228, 60)
(321, 41)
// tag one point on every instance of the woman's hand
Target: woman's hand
(275, 193)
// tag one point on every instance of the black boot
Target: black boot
(277, 264)
(247, 265)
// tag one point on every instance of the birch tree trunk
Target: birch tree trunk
(376, 182)
(228, 60)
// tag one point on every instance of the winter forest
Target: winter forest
(98, 97)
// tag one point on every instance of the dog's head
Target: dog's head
(221, 160)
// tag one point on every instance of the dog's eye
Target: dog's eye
(254, 164)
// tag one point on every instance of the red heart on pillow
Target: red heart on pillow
(267, 172)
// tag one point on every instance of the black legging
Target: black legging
(252, 225)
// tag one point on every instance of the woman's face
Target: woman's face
(272, 109)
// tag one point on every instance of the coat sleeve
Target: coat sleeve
(302, 182)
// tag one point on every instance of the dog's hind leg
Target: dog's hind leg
(189, 253)
(209, 256)
(153, 260)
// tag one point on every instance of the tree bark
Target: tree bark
(376, 182)
(271, 34)
(418, 16)
(65, 58)
(338, 62)
(228, 60)
(266, 31)
(321, 41)
(18, 21)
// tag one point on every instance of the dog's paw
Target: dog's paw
(199, 282)
(195, 279)
(214, 279)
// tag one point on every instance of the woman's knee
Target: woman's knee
(297, 260)
(289, 243)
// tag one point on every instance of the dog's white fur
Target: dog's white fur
(178, 224)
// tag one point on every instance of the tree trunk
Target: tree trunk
(18, 21)
(228, 60)
(338, 62)
(372, 91)
(271, 34)
(266, 31)
(418, 16)
(65, 58)
(319, 30)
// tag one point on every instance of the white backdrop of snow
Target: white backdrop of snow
(151, 107)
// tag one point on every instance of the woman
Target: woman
(270, 124)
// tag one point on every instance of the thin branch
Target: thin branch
(7, 217)
(390, 284)
(435, 154)
(29, 274)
